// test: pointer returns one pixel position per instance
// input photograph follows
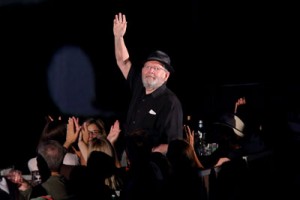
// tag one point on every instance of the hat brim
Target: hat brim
(235, 130)
(166, 65)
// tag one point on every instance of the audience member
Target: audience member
(239, 132)
(103, 145)
(9, 186)
(57, 130)
(185, 179)
(50, 160)
(144, 178)
(89, 182)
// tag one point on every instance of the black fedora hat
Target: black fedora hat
(161, 57)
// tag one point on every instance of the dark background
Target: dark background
(220, 51)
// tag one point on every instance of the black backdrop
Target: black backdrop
(218, 49)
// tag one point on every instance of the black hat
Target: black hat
(162, 57)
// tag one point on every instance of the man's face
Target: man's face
(154, 75)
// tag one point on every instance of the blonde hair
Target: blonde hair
(104, 145)
(101, 144)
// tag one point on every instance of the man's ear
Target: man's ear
(167, 74)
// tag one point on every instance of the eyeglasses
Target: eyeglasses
(154, 68)
(94, 132)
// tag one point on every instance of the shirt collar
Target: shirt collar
(159, 90)
(3, 185)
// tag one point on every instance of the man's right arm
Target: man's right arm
(121, 52)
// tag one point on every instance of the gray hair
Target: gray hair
(53, 153)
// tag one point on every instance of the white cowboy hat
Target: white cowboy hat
(233, 122)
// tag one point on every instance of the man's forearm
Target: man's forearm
(122, 56)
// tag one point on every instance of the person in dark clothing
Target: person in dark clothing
(145, 177)
(237, 134)
(185, 179)
(153, 107)
(9, 190)
(240, 156)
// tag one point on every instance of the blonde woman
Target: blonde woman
(102, 144)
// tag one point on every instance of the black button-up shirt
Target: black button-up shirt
(159, 113)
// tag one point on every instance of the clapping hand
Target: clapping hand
(114, 132)
(189, 135)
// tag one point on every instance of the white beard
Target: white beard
(151, 83)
